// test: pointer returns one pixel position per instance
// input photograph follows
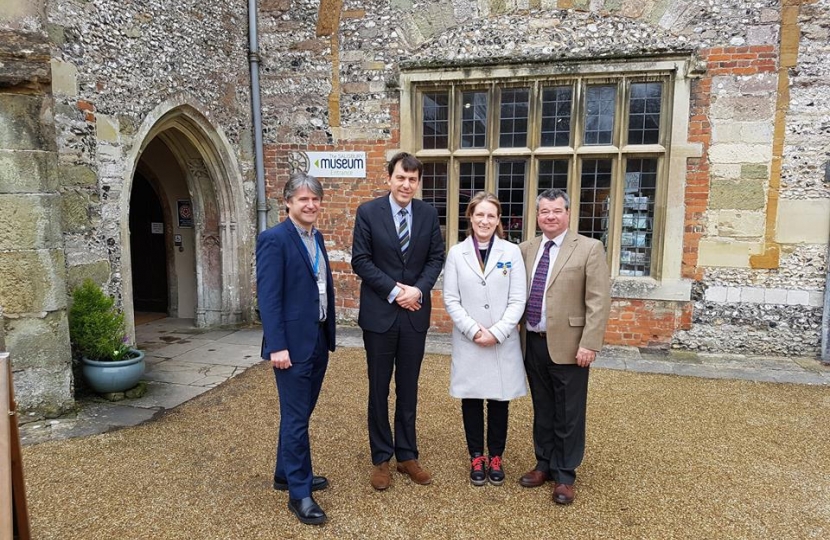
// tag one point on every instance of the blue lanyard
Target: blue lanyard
(316, 256)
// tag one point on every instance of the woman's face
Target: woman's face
(485, 219)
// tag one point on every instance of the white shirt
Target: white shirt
(554, 252)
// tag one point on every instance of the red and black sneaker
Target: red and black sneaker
(495, 474)
(478, 464)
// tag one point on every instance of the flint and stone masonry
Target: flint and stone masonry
(91, 90)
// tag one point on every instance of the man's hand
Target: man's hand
(280, 359)
(409, 297)
(485, 338)
(584, 357)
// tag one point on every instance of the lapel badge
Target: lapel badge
(505, 266)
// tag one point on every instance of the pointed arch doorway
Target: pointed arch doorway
(187, 164)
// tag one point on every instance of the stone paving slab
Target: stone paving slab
(181, 347)
(162, 395)
(248, 336)
(93, 418)
(178, 371)
(227, 354)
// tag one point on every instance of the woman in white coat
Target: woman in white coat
(485, 290)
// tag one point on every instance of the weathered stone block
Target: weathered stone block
(714, 252)
(740, 223)
(759, 171)
(740, 108)
(740, 153)
(737, 194)
(22, 171)
(64, 78)
(26, 123)
(752, 295)
(28, 222)
(98, 272)
(107, 128)
(803, 221)
(39, 342)
(75, 212)
(742, 132)
(44, 391)
(76, 175)
(32, 281)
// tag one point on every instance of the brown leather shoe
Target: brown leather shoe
(563, 493)
(381, 479)
(415, 471)
(534, 478)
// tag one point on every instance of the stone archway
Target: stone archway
(220, 217)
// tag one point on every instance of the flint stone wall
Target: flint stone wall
(119, 61)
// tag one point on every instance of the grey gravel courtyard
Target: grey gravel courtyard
(667, 457)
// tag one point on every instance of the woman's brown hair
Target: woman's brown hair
(483, 196)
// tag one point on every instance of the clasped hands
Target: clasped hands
(409, 297)
(484, 337)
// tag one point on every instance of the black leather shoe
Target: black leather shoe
(307, 511)
(317, 483)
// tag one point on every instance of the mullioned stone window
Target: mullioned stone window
(601, 131)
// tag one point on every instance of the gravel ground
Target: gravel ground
(667, 457)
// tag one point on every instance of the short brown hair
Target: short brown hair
(483, 196)
(408, 162)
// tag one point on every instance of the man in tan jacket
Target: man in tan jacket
(569, 299)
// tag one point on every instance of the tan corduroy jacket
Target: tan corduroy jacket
(578, 296)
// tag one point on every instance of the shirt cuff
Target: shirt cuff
(393, 294)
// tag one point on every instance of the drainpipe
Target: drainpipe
(825, 320)
(256, 109)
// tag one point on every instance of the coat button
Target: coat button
(486, 306)
(483, 283)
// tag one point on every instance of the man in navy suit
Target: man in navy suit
(296, 305)
(398, 253)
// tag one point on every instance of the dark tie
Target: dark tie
(403, 232)
(537, 288)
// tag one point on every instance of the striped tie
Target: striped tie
(537, 288)
(403, 232)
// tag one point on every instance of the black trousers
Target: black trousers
(472, 411)
(560, 395)
(400, 350)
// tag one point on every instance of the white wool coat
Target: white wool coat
(493, 299)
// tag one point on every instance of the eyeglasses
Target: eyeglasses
(558, 212)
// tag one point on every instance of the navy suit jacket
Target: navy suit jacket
(377, 259)
(289, 302)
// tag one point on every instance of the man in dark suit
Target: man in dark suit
(398, 253)
(569, 300)
(296, 304)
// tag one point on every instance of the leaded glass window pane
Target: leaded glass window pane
(515, 104)
(474, 120)
(511, 194)
(553, 173)
(638, 217)
(471, 181)
(599, 114)
(434, 191)
(436, 122)
(644, 113)
(556, 116)
(595, 198)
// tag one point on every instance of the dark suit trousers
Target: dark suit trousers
(399, 349)
(560, 394)
(298, 388)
